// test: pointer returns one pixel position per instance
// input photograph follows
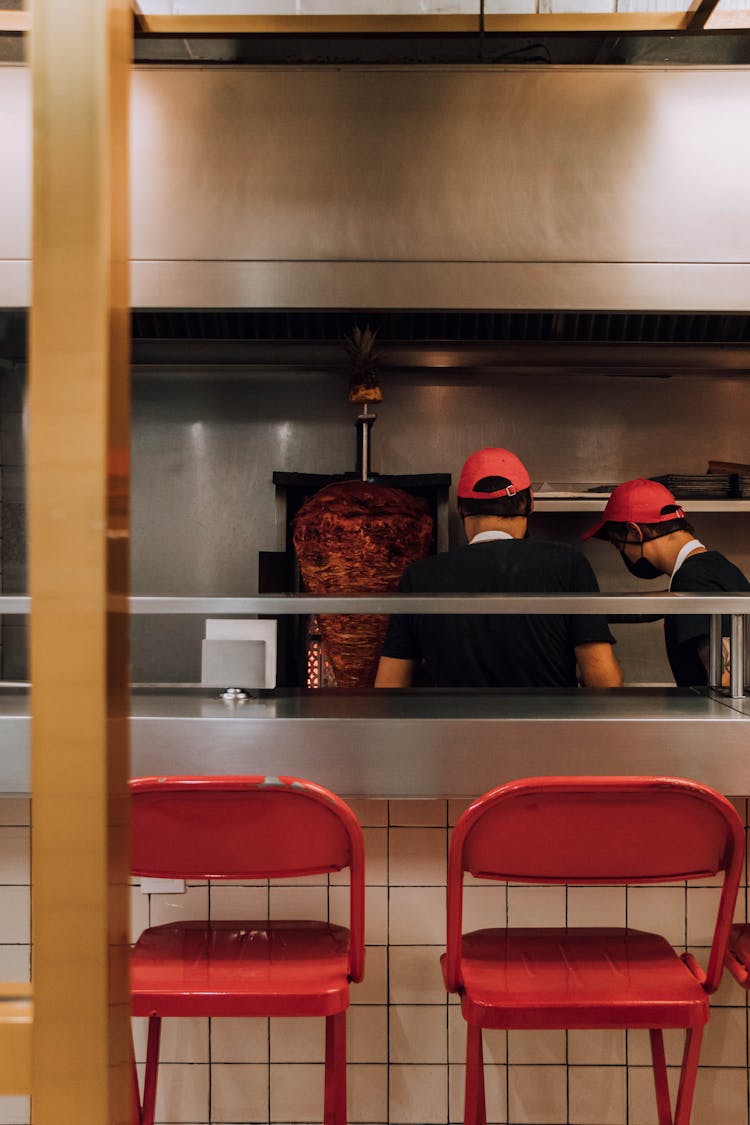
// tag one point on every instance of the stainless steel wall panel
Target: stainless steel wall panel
(454, 187)
(443, 188)
(15, 281)
(457, 164)
(616, 286)
(15, 181)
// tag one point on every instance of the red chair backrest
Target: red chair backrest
(599, 830)
(247, 828)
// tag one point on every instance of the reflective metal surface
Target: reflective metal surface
(432, 187)
(290, 604)
(737, 650)
(714, 651)
(438, 283)
(423, 745)
(15, 606)
(191, 611)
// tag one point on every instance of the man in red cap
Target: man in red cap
(499, 650)
(648, 527)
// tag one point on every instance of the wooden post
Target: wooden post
(78, 561)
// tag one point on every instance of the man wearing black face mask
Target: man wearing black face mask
(648, 527)
(499, 650)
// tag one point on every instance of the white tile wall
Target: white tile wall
(406, 1041)
(537, 1093)
(596, 1094)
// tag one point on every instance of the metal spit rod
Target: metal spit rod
(365, 422)
(365, 444)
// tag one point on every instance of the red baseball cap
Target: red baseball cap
(637, 501)
(492, 463)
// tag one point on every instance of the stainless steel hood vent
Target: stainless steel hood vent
(452, 342)
(432, 326)
(448, 344)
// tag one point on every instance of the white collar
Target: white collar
(486, 536)
(687, 549)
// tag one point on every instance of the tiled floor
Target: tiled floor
(406, 1039)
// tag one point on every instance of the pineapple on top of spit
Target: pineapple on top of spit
(363, 377)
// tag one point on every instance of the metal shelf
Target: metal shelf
(596, 504)
(291, 604)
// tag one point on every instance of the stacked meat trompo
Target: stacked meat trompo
(357, 538)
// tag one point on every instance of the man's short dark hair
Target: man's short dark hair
(619, 531)
(506, 507)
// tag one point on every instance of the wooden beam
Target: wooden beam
(303, 25)
(533, 23)
(138, 16)
(78, 561)
(700, 11)
(542, 23)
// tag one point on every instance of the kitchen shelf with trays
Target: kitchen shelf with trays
(706, 492)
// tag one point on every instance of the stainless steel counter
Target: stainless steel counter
(449, 744)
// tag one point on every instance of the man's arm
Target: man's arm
(703, 649)
(393, 672)
(598, 665)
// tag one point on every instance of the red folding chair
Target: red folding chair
(738, 954)
(589, 830)
(246, 828)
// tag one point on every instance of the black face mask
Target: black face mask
(641, 568)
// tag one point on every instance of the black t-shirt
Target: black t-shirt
(707, 571)
(498, 650)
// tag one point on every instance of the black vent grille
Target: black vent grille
(444, 326)
(213, 335)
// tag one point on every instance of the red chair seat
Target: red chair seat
(245, 968)
(577, 978)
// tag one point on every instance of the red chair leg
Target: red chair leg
(334, 1108)
(136, 1094)
(688, 1075)
(148, 1108)
(663, 1104)
(475, 1112)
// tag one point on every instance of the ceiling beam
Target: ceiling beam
(535, 24)
(139, 20)
(731, 19)
(17, 22)
(700, 12)
(157, 24)
(546, 22)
